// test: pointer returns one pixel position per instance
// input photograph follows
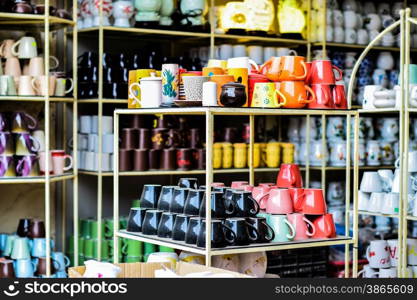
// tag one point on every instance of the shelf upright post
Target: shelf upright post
(75, 129)
(324, 33)
(325, 154)
(355, 228)
(100, 133)
(209, 180)
(47, 147)
(308, 147)
(212, 18)
(347, 194)
(251, 149)
(116, 216)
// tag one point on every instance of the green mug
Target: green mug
(72, 261)
(94, 229)
(165, 249)
(284, 230)
(136, 203)
(132, 248)
(132, 259)
(123, 222)
(91, 248)
(108, 228)
(85, 227)
(111, 247)
(80, 244)
(149, 249)
(413, 74)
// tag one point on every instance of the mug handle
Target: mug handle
(67, 261)
(361, 272)
(231, 205)
(292, 53)
(132, 94)
(281, 95)
(33, 120)
(270, 230)
(255, 231)
(34, 80)
(254, 64)
(311, 225)
(55, 60)
(263, 198)
(71, 87)
(18, 170)
(67, 156)
(233, 239)
(56, 264)
(303, 64)
(292, 235)
(367, 253)
(257, 207)
(14, 52)
(124, 248)
(263, 69)
(2, 49)
(338, 71)
(312, 93)
(36, 145)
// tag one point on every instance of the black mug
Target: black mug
(245, 233)
(245, 205)
(180, 227)
(165, 199)
(220, 189)
(266, 233)
(178, 200)
(191, 183)
(166, 225)
(151, 222)
(193, 229)
(219, 208)
(150, 195)
(23, 228)
(136, 217)
(193, 202)
(219, 234)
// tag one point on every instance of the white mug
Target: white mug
(388, 273)
(256, 53)
(338, 34)
(39, 135)
(350, 36)
(27, 47)
(369, 97)
(106, 162)
(363, 37)
(150, 92)
(391, 204)
(93, 142)
(363, 201)
(225, 52)
(90, 161)
(85, 124)
(239, 50)
(378, 254)
(82, 141)
(393, 249)
(373, 151)
(269, 52)
(338, 19)
(376, 201)
(107, 124)
(210, 93)
(338, 153)
(388, 155)
(108, 140)
(368, 272)
(318, 154)
(242, 62)
(387, 177)
(350, 19)
(371, 182)
(283, 51)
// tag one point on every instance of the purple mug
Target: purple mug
(7, 166)
(6, 143)
(4, 122)
(25, 144)
(27, 166)
(23, 122)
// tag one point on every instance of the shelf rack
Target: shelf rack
(209, 114)
(49, 24)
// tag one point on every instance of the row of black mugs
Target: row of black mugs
(177, 212)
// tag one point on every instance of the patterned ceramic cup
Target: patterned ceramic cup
(193, 86)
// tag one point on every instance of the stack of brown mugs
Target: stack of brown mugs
(160, 148)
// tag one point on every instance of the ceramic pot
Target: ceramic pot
(233, 95)
(122, 12)
(196, 10)
(148, 10)
(167, 9)
(107, 12)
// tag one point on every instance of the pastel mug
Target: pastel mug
(301, 225)
(26, 47)
(283, 229)
(278, 201)
(40, 85)
(61, 86)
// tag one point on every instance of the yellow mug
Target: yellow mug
(272, 154)
(217, 155)
(287, 153)
(240, 155)
(256, 155)
(217, 63)
(227, 158)
(134, 77)
(266, 95)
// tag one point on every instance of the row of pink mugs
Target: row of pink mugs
(57, 159)
(321, 227)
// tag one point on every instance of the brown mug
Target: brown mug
(168, 161)
(23, 227)
(129, 138)
(195, 139)
(173, 138)
(161, 123)
(6, 269)
(140, 160)
(125, 160)
(41, 268)
(200, 158)
(144, 138)
(230, 135)
(154, 159)
(137, 121)
(37, 229)
(159, 138)
(184, 159)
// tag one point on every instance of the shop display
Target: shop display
(25, 7)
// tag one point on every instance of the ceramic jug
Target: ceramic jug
(107, 12)
(148, 10)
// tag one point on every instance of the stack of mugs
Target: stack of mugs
(24, 71)
(165, 147)
(379, 192)
(88, 143)
(335, 196)
(24, 253)
(22, 150)
(382, 259)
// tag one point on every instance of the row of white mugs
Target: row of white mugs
(376, 96)
(90, 123)
(88, 161)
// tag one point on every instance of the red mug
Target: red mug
(236, 185)
(258, 193)
(339, 96)
(289, 176)
(301, 225)
(324, 97)
(322, 72)
(325, 227)
(297, 196)
(314, 203)
(308, 66)
(278, 201)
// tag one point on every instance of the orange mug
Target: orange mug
(221, 80)
(212, 71)
(271, 68)
(292, 68)
(295, 94)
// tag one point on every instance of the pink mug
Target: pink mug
(258, 192)
(247, 188)
(278, 201)
(237, 184)
(301, 225)
(217, 184)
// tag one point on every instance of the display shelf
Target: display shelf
(356, 46)
(19, 21)
(379, 111)
(113, 101)
(37, 179)
(309, 243)
(265, 39)
(36, 99)
(376, 214)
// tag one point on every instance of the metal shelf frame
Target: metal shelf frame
(209, 114)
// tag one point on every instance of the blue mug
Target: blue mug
(38, 247)
(3, 240)
(24, 268)
(61, 274)
(61, 261)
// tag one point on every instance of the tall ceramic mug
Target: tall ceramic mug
(170, 83)
(150, 92)
(58, 161)
(26, 47)
(61, 86)
(295, 94)
(292, 68)
(378, 254)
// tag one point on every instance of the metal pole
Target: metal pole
(251, 150)
(209, 180)
(347, 196)
(116, 217)
(308, 148)
(355, 228)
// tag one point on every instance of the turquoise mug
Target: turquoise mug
(9, 245)
(62, 259)
(24, 268)
(283, 229)
(3, 241)
(413, 73)
(61, 274)
(38, 247)
(21, 248)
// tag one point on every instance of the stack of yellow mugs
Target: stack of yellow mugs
(237, 155)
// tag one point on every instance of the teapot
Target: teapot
(233, 95)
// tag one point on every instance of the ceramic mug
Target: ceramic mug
(7, 86)
(170, 83)
(27, 166)
(193, 86)
(292, 68)
(6, 48)
(371, 182)
(289, 176)
(283, 229)
(12, 67)
(25, 144)
(278, 201)
(150, 92)
(58, 161)
(61, 87)
(322, 72)
(40, 85)
(301, 225)
(27, 47)
(324, 226)
(265, 95)
(324, 97)
(378, 254)
(295, 94)
(271, 154)
(25, 87)
(242, 62)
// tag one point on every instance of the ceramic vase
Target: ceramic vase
(148, 10)
(197, 8)
(107, 11)
(167, 9)
(122, 12)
